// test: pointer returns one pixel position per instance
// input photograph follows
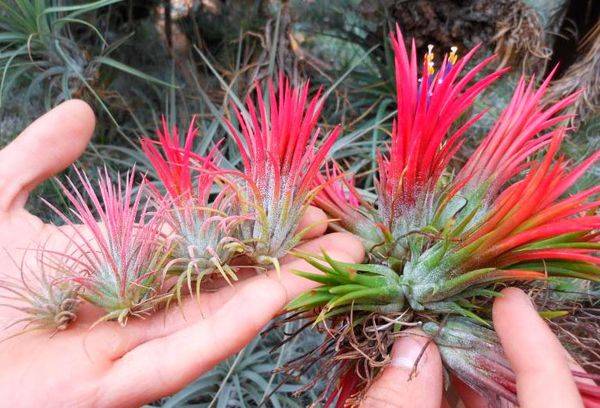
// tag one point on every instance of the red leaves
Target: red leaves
(176, 164)
(515, 136)
(427, 108)
(279, 143)
(531, 212)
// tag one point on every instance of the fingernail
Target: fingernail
(406, 351)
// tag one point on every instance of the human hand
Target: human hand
(148, 359)
(540, 363)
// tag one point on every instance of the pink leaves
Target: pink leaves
(119, 255)
(515, 136)
(281, 142)
(176, 165)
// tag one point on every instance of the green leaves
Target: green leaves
(38, 49)
(347, 286)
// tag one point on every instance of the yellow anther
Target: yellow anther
(429, 59)
(430, 68)
(453, 57)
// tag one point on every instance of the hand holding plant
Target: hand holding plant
(149, 358)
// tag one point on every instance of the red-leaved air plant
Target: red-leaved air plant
(422, 141)
(203, 230)
(281, 154)
(119, 251)
(448, 242)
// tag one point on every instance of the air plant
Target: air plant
(281, 156)
(423, 143)
(120, 254)
(204, 234)
(41, 294)
(476, 354)
(450, 238)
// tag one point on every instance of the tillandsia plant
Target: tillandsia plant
(450, 239)
(120, 254)
(204, 232)
(42, 294)
(281, 154)
(423, 143)
(476, 354)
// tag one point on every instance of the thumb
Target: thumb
(46, 147)
(404, 384)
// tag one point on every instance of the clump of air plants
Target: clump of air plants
(128, 240)
(41, 294)
(120, 252)
(281, 154)
(203, 231)
(450, 239)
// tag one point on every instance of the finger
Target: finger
(538, 359)
(315, 220)
(162, 366)
(404, 384)
(44, 148)
(336, 240)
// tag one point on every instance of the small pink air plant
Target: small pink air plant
(474, 354)
(281, 155)
(120, 253)
(41, 295)
(203, 231)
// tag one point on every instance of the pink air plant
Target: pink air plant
(202, 227)
(120, 251)
(281, 154)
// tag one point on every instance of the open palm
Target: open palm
(110, 365)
